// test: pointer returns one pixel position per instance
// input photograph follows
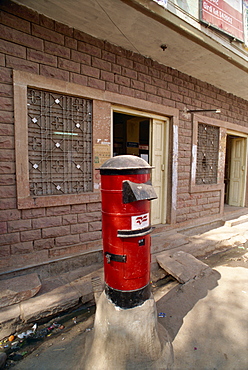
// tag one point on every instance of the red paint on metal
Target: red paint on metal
(135, 272)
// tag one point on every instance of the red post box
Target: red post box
(126, 193)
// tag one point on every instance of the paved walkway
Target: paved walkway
(206, 319)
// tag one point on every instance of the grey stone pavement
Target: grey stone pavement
(206, 317)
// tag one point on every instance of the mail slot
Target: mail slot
(126, 193)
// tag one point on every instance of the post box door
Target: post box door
(137, 251)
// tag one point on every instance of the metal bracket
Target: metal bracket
(115, 257)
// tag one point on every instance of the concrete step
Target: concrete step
(167, 240)
(237, 221)
(202, 228)
(55, 267)
(18, 289)
(56, 295)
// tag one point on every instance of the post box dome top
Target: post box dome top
(125, 162)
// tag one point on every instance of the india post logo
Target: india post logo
(140, 221)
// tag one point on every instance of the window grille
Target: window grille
(207, 154)
(59, 143)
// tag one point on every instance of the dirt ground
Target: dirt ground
(205, 318)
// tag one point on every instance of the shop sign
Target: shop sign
(225, 15)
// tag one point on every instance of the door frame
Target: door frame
(168, 213)
(165, 164)
(244, 180)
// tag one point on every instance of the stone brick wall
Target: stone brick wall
(33, 43)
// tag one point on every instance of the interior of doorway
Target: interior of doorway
(131, 135)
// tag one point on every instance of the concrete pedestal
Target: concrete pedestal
(125, 339)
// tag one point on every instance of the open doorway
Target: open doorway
(235, 170)
(148, 138)
(131, 135)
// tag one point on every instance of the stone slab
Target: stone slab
(57, 300)
(18, 289)
(9, 320)
(181, 265)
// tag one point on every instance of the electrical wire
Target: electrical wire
(123, 34)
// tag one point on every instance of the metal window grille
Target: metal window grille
(59, 143)
(207, 154)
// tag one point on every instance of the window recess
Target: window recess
(207, 154)
(59, 143)
(53, 142)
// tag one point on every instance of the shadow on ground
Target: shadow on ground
(182, 298)
(207, 321)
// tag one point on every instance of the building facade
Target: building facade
(70, 100)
